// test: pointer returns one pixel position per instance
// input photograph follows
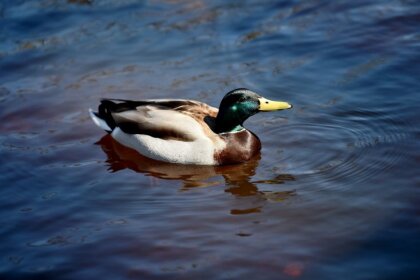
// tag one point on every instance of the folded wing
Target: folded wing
(165, 119)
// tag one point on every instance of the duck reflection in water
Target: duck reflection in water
(237, 177)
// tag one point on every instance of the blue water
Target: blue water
(333, 195)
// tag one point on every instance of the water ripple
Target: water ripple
(346, 146)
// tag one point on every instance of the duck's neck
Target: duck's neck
(231, 117)
(235, 129)
(227, 124)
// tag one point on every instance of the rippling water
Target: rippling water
(334, 193)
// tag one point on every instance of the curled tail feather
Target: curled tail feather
(103, 117)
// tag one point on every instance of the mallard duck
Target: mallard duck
(186, 131)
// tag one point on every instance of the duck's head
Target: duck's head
(240, 104)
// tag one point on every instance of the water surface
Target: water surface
(334, 193)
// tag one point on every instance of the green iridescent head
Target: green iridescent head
(239, 104)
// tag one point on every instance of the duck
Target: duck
(185, 131)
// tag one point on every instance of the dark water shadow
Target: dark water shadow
(237, 178)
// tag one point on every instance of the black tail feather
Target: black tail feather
(104, 112)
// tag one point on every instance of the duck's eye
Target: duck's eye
(266, 102)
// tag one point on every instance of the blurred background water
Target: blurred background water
(334, 194)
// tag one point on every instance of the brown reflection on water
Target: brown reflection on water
(237, 178)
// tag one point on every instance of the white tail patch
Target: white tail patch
(98, 121)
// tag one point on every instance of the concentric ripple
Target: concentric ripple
(345, 145)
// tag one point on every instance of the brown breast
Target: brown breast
(241, 147)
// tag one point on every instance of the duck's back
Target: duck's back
(177, 131)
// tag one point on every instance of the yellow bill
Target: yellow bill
(269, 105)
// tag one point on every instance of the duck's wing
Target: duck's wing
(177, 119)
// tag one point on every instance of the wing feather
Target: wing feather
(157, 122)
(177, 119)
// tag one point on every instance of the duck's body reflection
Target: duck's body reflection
(237, 177)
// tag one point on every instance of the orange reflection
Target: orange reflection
(293, 269)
